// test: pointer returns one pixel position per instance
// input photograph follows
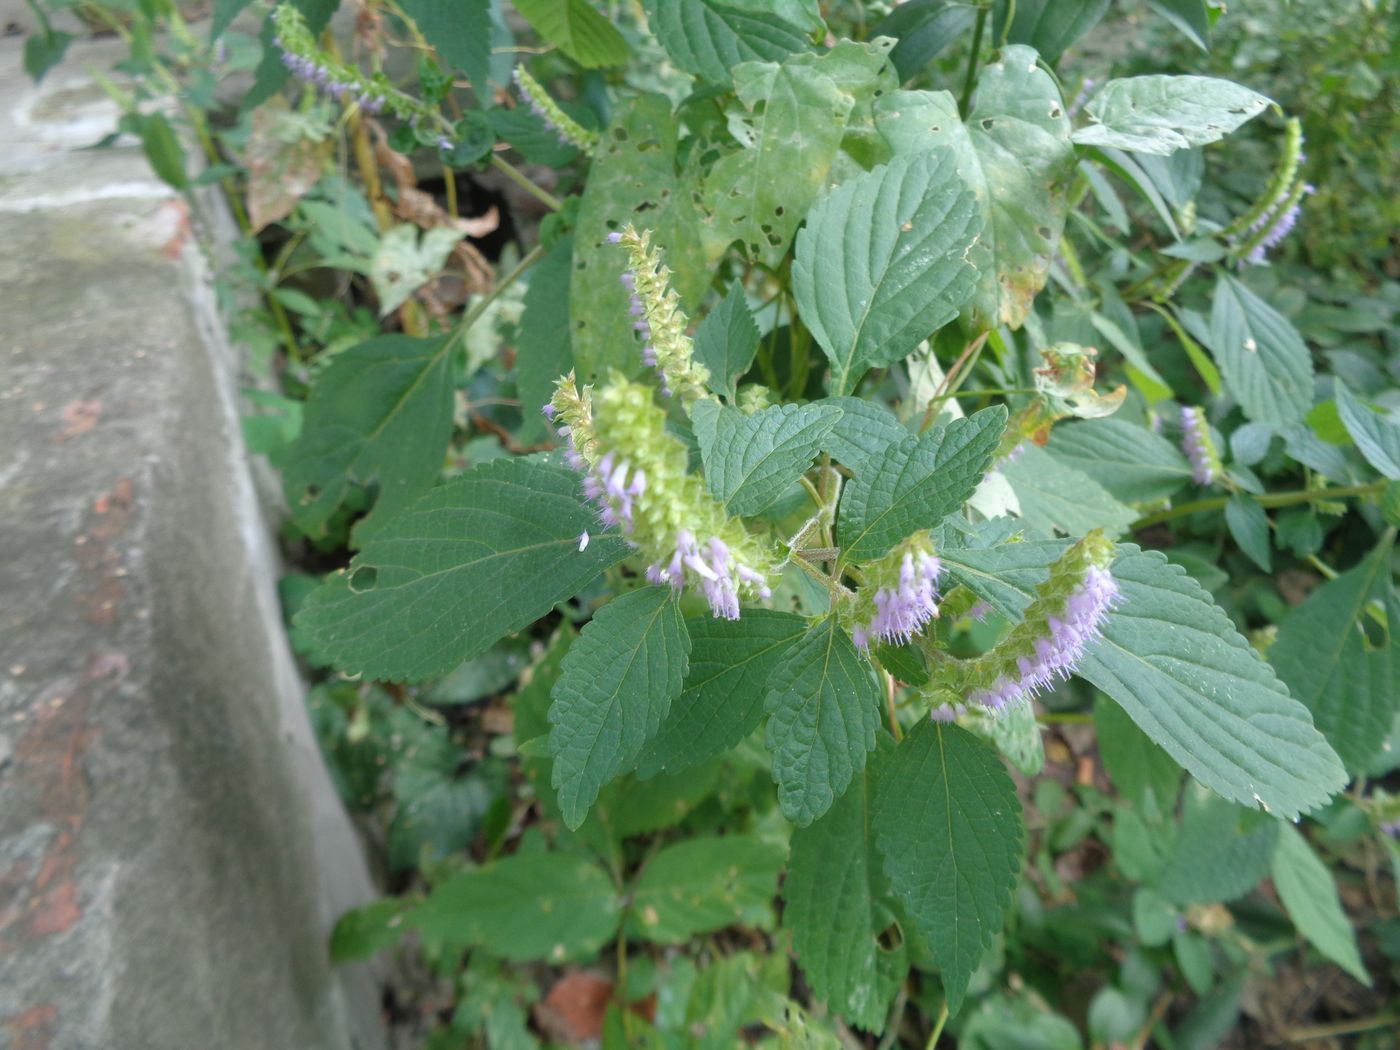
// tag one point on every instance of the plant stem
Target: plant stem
(479, 307)
(1322, 1031)
(954, 378)
(971, 79)
(1271, 499)
(938, 1026)
(895, 729)
(518, 177)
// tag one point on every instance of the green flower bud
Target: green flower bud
(570, 131)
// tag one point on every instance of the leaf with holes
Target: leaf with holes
(1015, 153)
(837, 904)
(578, 30)
(1162, 114)
(1265, 362)
(882, 263)
(948, 827)
(722, 699)
(381, 414)
(752, 460)
(616, 688)
(709, 38)
(824, 708)
(463, 566)
(705, 884)
(916, 484)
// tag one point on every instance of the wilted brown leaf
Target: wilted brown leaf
(285, 159)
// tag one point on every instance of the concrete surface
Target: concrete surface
(172, 853)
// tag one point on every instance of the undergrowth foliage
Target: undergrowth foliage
(882, 394)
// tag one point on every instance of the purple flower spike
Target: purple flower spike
(1193, 442)
(902, 611)
(1058, 652)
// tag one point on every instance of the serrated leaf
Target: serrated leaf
(924, 29)
(722, 700)
(948, 827)
(1322, 654)
(664, 802)
(727, 341)
(708, 38)
(1056, 496)
(705, 884)
(1265, 362)
(578, 30)
(759, 194)
(530, 906)
(882, 263)
(1049, 26)
(837, 905)
(467, 564)
(916, 484)
(381, 414)
(1015, 153)
(1161, 114)
(1249, 525)
(617, 685)
(460, 32)
(752, 460)
(1309, 893)
(864, 432)
(824, 708)
(1132, 463)
(543, 350)
(1376, 436)
(1222, 852)
(632, 179)
(1142, 772)
(1176, 664)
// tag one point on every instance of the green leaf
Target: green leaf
(1050, 26)
(405, 261)
(664, 802)
(1016, 736)
(1054, 495)
(1015, 153)
(363, 931)
(722, 699)
(705, 884)
(1176, 664)
(863, 433)
(824, 708)
(1309, 893)
(530, 906)
(837, 905)
(578, 30)
(1222, 852)
(1161, 114)
(617, 685)
(1132, 463)
(916, 484)
(1266, 364)
(543, 351)
(1375, 435)
(467, 564)
(272, 73)
(1323, 655)
(163, 149)
(752, 460)
(45, 49)
(924, 28)
(948, 825)
(1022, 1023)
(1249, 525)
(1189, 16)
(381, 414)
(727, 341)
(632, 179)
(1142, 772)
(460, 32)
(759, 194)
(708, 38)
(882, 263)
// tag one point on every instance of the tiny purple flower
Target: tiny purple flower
(1193, 443)
(901, 611)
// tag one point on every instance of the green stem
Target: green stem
(518, 177)
(479, 307)
(971, 79)
(1272, 499)
(938, 1026)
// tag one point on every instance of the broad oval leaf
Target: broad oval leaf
(709, 38)
(705, 884)
(1049, 26)
(1266, 364)
(1309, 893)
(882, 263)
(864, 432)
(543, 347)
(1056, 496)
(916, 484)
(578, 30)
(1162, 114)
(1375, 435)
(948, 827)
(722, 700)
(467, 564)
(1132, 463)
(752, 460)
(615, 688)
(460, 32)
(1014, 151)
(824, 708)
